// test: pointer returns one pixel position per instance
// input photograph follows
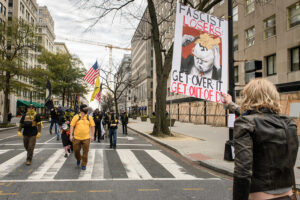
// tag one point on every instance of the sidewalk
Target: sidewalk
(200, 143)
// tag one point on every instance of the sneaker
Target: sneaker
(28, 162)
(78, 163)
(50, 132)
(83, 167)
(66, 155)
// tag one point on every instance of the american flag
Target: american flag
(92, 74)
(99, 94)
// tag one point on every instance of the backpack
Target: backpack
(79, 118)
(28, 122)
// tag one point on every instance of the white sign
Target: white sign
(231, 119)
(200, 58)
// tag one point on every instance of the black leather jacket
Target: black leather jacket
(266, 146)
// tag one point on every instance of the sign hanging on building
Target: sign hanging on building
(200, 58)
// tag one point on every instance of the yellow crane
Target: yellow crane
(110, 46)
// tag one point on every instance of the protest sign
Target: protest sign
(200, 58)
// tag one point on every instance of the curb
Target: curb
(202, 163)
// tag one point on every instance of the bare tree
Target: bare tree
(122, 80)
(163, 56)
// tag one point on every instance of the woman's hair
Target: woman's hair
(260, 93)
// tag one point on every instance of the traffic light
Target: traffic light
(251, 68)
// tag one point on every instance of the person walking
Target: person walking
(9, 116)
(97, 118)
(54, 121)
(65, 132)
(31, 123)
(107, 121)
(60, 119)
(113, 126)
(124, 119)
(83, 128)
(265, 145)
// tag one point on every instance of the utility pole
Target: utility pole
(231, 75)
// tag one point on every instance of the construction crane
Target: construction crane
(83, 41)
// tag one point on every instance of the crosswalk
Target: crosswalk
(103, 164)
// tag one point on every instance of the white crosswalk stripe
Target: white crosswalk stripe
(48, 169)
(52, 171)
(39, 173)
(13, 163)
(176, 170)
(87, 174)
(134, 168)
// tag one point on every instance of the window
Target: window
(40, 30)
(4, 11)
(22, 7)
(236, 43)
(236, 74)
(270, 27)
(294, 15)
(250, 37)
(1, 7)
(295, 55)
(235, 14)
(271, 65)
(250, 6)
(40, 20)
(10, 3)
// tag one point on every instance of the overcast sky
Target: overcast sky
(71, 22)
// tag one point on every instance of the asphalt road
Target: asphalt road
(137, 170)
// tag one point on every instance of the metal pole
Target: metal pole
(231, 73)
(231, 58)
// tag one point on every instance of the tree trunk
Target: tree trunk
(63, 97)
(116, 107)
(6, 94)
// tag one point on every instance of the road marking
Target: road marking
(134, 168)
(8, 185)
(230, 189)
(127, 138)
(148, 190)
(12, 164)
(111, 179)
(100, 190)
(40, 172)
(99, 166)
(3, 151)
(176, 170)
(6, 194)
(58, 192)
(87, 174)
(193, 189)
(92, 144)
(8, 137)
(52, 171)
(49, 140)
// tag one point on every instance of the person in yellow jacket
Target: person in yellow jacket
(31, 125)
(83, 127)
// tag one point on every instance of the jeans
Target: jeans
(29, 144)
(85, 145)
(56, 127)
(113, 137)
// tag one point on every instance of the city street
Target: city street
(137, 169)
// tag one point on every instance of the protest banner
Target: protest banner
(200, 58)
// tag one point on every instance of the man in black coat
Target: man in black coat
(124, 119)
(97, 119)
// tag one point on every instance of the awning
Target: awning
(27, 104)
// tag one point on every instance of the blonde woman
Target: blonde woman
(266, 145)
